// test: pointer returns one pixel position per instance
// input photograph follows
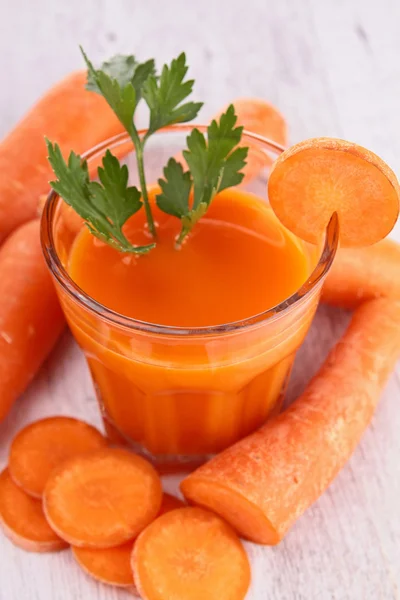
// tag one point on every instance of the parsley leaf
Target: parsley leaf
(175, 197)
(175, 190)
(123, 69)
(164, 96)
(117, 91)
(214, 164)
(104, 205)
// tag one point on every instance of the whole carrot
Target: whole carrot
(360, 274)
(262, 484)
(30, 316)
(67, 114)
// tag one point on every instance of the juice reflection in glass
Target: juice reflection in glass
(189, 349)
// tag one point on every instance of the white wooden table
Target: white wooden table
(333, 68)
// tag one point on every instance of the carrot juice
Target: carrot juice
(189, 347)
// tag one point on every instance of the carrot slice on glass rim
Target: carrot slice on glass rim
(23, 520)
(103, 499)
(190, 553)
(43, 445)
(320, 176)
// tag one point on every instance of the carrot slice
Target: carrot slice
(31, 318)
(108, 565)
(23, 520)
(170, 503)
(360, 274)
(262, 484)
(113, 565)
(68, 114)
(261, 117)
(190, 554)
(43, 445)
(102, 499)
(315, 178)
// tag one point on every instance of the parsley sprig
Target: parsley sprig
(105, 205)
(214, 161)
(214, 165)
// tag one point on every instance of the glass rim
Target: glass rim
(113, 317)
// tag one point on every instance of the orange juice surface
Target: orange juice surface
(192, 395)
(237, 263)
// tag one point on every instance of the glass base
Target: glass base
(164, 463)
(169, 463)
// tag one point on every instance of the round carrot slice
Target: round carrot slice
(23, 519)
(108, 565)
(102, 499)
(188, 554)
(113, 565)
(315, 178)
(41, 446)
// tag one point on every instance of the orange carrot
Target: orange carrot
(190, 554)
(67, 114)
(102, 499)
(31, 319)
(108, 565)
(262, 484)
(43, 445)
(258, 116)
(23, 520)
(360, 274)
(113, 565)
(315, 178)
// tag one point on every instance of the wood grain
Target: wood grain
(332, 68)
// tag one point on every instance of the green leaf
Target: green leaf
(164, 96)
(215, 164)
(141, 74)
(113, 196)
(72, 178)
(121, 97)
(104, 205)
(175, 190)
(224, 136)
(231, 174)
(175, 195)
(123, 69)
(119, 67)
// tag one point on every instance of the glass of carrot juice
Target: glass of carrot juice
(189, 349)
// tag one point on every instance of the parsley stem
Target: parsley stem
(143, 187)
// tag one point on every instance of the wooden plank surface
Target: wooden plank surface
(333, 68)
